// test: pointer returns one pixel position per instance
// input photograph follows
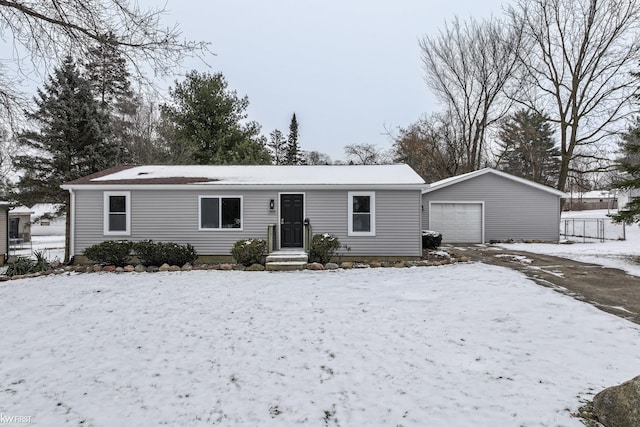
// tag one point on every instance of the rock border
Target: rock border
(314, 266)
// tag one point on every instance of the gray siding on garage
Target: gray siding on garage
(172, 215)
(3, 233)
(513, 210)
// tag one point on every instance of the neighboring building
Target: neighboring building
(590, 200)
(373, 210)
(46, 222)
(20, 224)
(489, 205)
(625, 196)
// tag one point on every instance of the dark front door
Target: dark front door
(291, 220)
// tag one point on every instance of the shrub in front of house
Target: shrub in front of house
(431, 239)
(25, 265)
(110, 252)
(323, 247)
(251, 251)
(158, 253)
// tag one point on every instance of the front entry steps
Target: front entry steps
(288, 260)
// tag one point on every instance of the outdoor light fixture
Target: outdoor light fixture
(272, 204)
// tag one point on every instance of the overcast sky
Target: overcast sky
(349, 69)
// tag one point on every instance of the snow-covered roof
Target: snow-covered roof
(21, 210)
(595, 194)
(460, 178)
(237, 176)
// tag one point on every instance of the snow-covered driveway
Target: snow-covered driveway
(465, 344)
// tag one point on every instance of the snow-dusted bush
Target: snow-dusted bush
(431, 239)
(110, 252)
(323, 247)
(247, 252)
(158, 253)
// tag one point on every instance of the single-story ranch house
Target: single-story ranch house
(373, 210)
(489, 205)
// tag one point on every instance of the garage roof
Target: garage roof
(460, 178)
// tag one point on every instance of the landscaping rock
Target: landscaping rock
(331, 266)
(201, 267)
(174, 268)
(96, 268)
(187, 267)
(225, 267)
(375, 264)
(399, 265)
(360, 265)
(55, 264)
(17, 277)
(619, 406)
(239, 267)
(109, 268)
(153, 269)
(140, 268)
(4, 278)
(80, 269)
(119, 270)
(129, 268)
(255, 267)
(387, 264)
(315, 266)
(164, 267)
(69, 268)
(346, 265)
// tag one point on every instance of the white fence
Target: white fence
(592, 228)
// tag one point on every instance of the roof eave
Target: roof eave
(237, 187)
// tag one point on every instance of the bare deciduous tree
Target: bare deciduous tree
(469, 66)
(47, 31)
(312, 158)
(578, 70)
(366, 154)
(431, 147)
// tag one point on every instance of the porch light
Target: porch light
(272, 204)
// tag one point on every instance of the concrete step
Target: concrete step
(286, 260)
(287, 257)
(286, 265)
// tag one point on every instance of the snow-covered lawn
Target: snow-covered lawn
(459, 345)
(622, 254)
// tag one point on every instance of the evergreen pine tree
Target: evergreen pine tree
(72, 140)
(106, 70)
(629, 164)
(528, 148)
(206, 122)
(293, 149)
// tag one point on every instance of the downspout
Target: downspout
(72, 226)
(6, 256)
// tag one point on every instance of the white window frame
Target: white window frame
(372, 213)
(220, 197)
(106, 212)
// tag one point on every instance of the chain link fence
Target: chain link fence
(592, 228)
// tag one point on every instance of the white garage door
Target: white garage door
(458, 222)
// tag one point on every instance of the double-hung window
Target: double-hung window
(117, 213)
(220, 213)
(362, 213)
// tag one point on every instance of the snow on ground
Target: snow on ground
(52, 246)
(464, 344)
(622, 254)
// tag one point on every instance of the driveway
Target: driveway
(609, 289)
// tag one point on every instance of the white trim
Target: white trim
(461, 178)
(220, 197)
(372, 213)
(106, 212)
(208, 186)
(461, 202)
(279, 213)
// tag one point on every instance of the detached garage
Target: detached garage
(489, 205)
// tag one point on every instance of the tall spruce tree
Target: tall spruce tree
(629, 164)
(207, 123)
(106, 70)
(528, 148)
(72, 139)
(294, 156)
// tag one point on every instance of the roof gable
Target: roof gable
(461, 178)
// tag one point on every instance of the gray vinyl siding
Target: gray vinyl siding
(512, 210)
(172, 215)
